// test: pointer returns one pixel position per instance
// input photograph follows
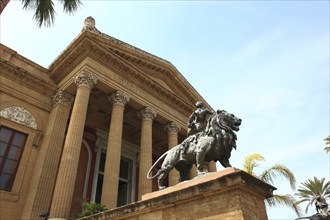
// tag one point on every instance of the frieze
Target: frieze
(26, 78)
(166, 73)
(68, 62)
(138, 92)
(19, 115)
(115, 63)
(147, 113)
(137, 75)
(63, 98)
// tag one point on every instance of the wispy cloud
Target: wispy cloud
(258, 45)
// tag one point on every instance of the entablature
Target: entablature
(27, 78)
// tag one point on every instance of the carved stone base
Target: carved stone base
(227, 194)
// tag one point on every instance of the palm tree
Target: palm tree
(327, 143)
(268, 176)
(44, 9)
(312, 188)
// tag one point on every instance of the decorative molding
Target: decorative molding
(89, 25)
(62, 97)
(101, 139)
(24, 96)
(37, 138)
(147, 114)
(172, 127)
(108, 55)
(120, 64)
(85, 79)
(27, 78)
(19, 115)
(119, 98)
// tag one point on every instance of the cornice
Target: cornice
(141, 59)
(150, 61)
(130, 62)
(74, 54)
(26, 78)
(135, 75)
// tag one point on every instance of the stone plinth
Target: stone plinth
(228, 194)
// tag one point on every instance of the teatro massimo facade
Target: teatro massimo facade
(88, 127)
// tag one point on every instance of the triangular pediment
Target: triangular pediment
(149, 71)
(162, 83)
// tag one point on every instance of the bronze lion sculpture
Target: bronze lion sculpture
(214, 143)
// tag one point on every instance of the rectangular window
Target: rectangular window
(125, 180)
(12, 143)
(124, 185)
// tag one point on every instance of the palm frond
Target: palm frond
(278, 170)
(251, 162)
(327, 140)
(44, 12)
(71, 6)
(285, 200)
(327, 143)
(312, 188)
(327, 149)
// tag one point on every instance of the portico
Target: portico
(139, 104)
(112, 111)
(128, 123)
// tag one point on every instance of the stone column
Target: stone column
(147, 115)
(112, 162)
(43, 180)
(172, 130)
(66, 176)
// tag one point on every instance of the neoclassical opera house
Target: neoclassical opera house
(88, 127)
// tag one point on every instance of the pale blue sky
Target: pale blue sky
(265, 61)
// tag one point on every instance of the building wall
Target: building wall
(12, 203)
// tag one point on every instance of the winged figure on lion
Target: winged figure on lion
(214, 142)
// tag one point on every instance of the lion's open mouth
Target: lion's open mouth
(236, 125)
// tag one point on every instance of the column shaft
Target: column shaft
(145, 185)
(66, 176)
(172, 131)
(43, 180)
(112, 162)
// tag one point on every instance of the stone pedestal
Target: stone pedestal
(228, 194)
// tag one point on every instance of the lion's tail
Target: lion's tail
(153, 166)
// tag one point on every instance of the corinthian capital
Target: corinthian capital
(119, 98)
(63, 98)
(147, 113)
(85, 79)
(172, 127)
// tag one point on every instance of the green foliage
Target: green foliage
(327, 144)
(312, 188)
(251, 162)
(285, 200)
(44, 12)
(90, 208)
(269, 175)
